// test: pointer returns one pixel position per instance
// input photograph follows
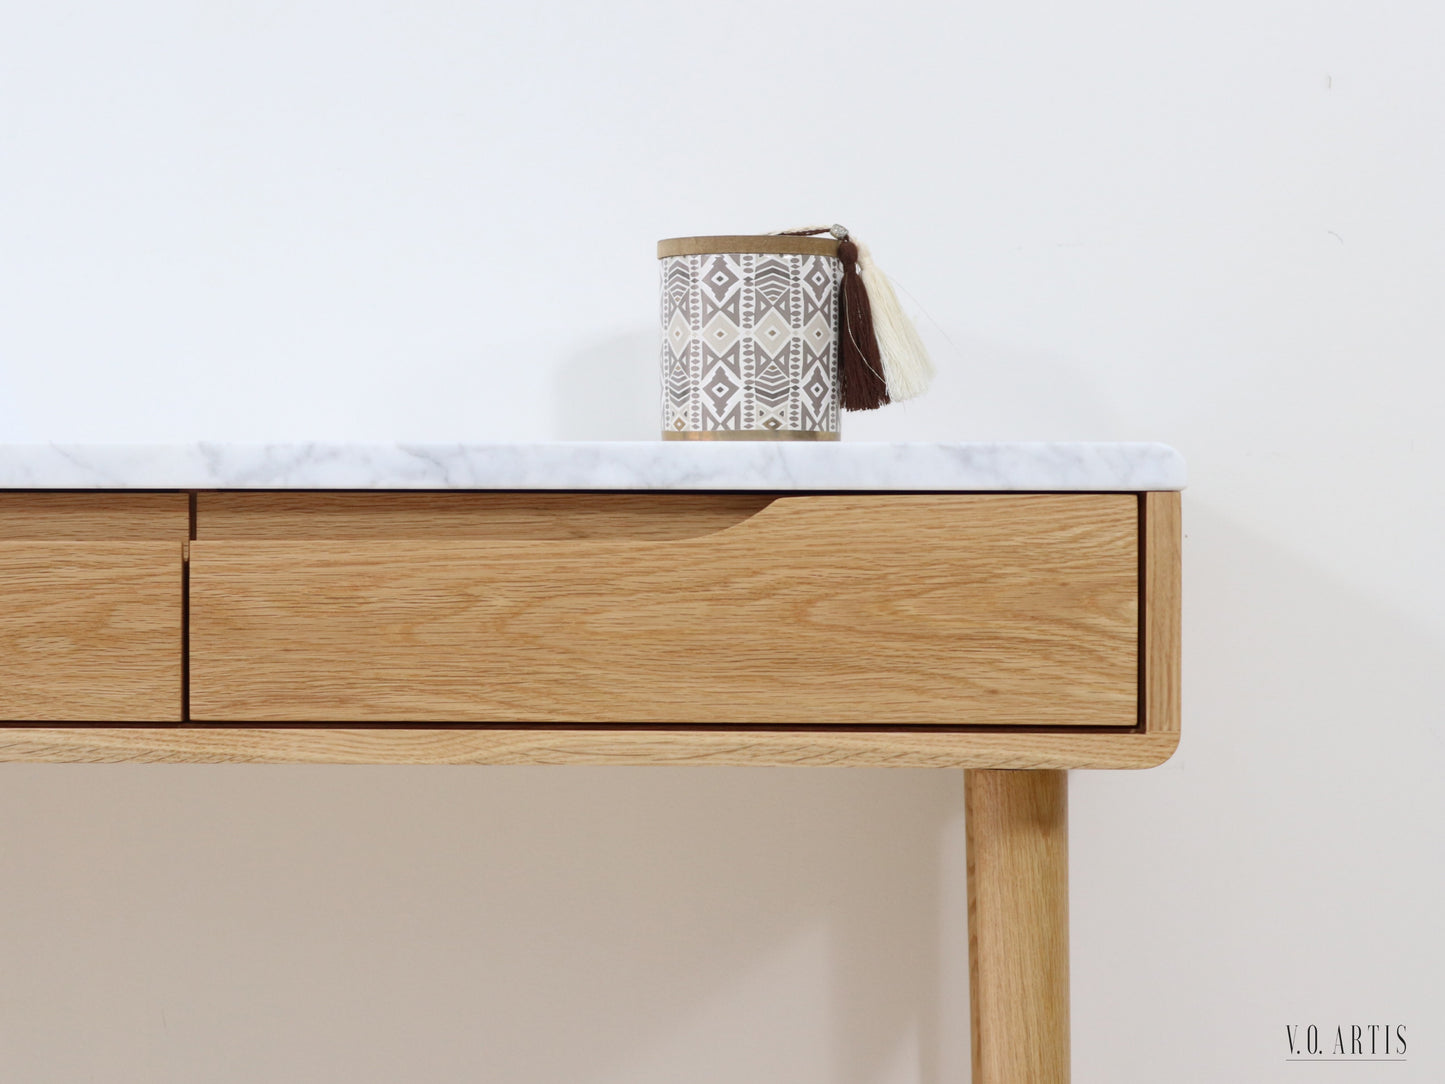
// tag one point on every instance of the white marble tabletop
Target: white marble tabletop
(619, 465)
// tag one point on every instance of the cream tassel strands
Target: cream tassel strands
(907, 368)
(877, 334)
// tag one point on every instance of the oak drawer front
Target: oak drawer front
(877, 610)
(91, 631)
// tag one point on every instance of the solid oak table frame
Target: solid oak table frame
(1015, 636)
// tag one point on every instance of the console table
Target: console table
(1007, 609)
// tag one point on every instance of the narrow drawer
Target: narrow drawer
(877, 610)
(68, 516)
(90, 631)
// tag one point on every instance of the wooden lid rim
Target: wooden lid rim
(767, 243)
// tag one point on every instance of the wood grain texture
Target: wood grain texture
(94, 517)
(852, 748)
(90, 631)
(1163, 574)
(1016, 824)
(881, 610)
(300, 517)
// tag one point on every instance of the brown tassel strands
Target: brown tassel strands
(860, 368)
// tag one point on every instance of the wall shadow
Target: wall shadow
(234, 923)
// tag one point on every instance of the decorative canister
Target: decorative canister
(771, 337)
(749, 328)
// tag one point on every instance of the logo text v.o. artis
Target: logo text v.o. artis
(1346, 1042)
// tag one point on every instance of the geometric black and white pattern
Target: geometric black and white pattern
(749, 343)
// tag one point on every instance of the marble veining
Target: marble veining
(621, 465)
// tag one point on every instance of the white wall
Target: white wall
(1218, 225)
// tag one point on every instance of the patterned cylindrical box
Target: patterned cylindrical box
(749, 330)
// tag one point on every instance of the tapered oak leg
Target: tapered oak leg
(1018, 925)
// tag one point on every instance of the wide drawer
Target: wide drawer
(886, 610)
(91, 631)
(880, 610)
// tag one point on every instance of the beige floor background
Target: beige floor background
(1218, 225)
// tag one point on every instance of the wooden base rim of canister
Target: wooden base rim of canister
(748, 434)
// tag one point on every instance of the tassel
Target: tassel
(882, 359)
(860, 368)
(907, 368)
